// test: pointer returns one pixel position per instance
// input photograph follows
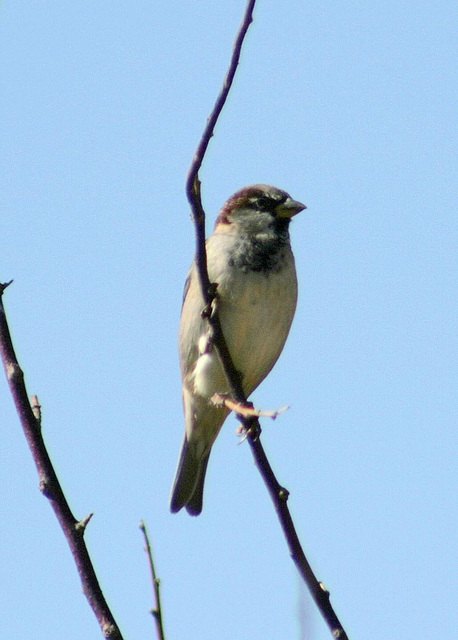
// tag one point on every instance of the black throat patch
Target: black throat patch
(263, 252)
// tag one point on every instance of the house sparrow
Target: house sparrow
(249, 257)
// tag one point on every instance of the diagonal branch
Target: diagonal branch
(198, 213)
(30, 417)
(251, 425)
(193, 182)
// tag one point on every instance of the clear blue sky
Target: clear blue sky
(349, 106)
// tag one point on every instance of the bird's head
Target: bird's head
(258, 206)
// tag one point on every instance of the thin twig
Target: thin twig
(157, 611)
(198, 213)
(193, 182)
(251, 425)
(30, 418)
(245, 409)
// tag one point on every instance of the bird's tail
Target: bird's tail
(188, 486)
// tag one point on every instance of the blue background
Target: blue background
(349, 106)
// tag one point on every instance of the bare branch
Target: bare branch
(251, 424)
(157, 611)
(30, 418)
(193, 182)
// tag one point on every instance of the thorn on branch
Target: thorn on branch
(82, 524)
(3, 286)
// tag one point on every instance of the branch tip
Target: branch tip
(157, 612)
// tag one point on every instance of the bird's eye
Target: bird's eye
(264, 204)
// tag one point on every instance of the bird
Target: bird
(249, 258)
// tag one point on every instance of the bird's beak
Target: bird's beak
(289, 208)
